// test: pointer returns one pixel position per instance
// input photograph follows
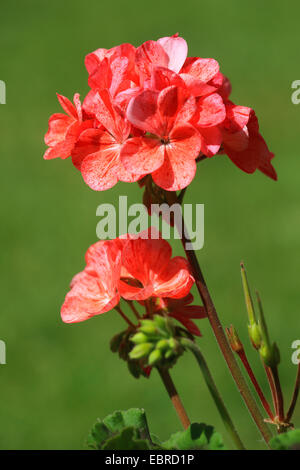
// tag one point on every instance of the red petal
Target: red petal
(211, 140)
(150, 54)
(142, 155)
(143, 113)
(202, 69)
(67, 106)
(179, 166)
(211, 111)
(58, 126)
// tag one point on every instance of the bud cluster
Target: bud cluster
(157, 342)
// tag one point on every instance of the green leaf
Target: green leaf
(127, 439)
(286, 441)
(122, 430)
(198, 436)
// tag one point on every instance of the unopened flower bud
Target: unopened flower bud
(141, 350)
(234, 339)
(154, 357)
(139, 338)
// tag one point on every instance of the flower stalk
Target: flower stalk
(174, 396)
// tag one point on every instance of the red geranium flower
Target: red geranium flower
(129, 267)
(170, 152)
(153, 110)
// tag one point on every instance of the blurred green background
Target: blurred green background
(59, 378)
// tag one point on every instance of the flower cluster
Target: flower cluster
(153, 110)
(133, 268)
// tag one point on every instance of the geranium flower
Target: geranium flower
(169, 153)
(64, 129)
(153, 110)
(130, 267)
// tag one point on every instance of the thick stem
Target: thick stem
(214, 392)
(256, 385)
(221, 338)
(173, 394)
(294, 397)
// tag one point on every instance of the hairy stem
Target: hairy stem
(173, 394)
(214, 392)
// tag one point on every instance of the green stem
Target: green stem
(214, 392)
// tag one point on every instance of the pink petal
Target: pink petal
(143, 113)
(176, 49)
(86, 299)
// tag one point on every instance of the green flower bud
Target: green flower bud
(160, 322)
(270, 355)
(169, 354)
(155, 343)
(154, 357)
(255, 335)
(139, 338)
(162, 344)
(141, 350)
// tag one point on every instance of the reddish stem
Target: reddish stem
(175, 398)
(272, 388)
(294, 397)
(256, 385)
